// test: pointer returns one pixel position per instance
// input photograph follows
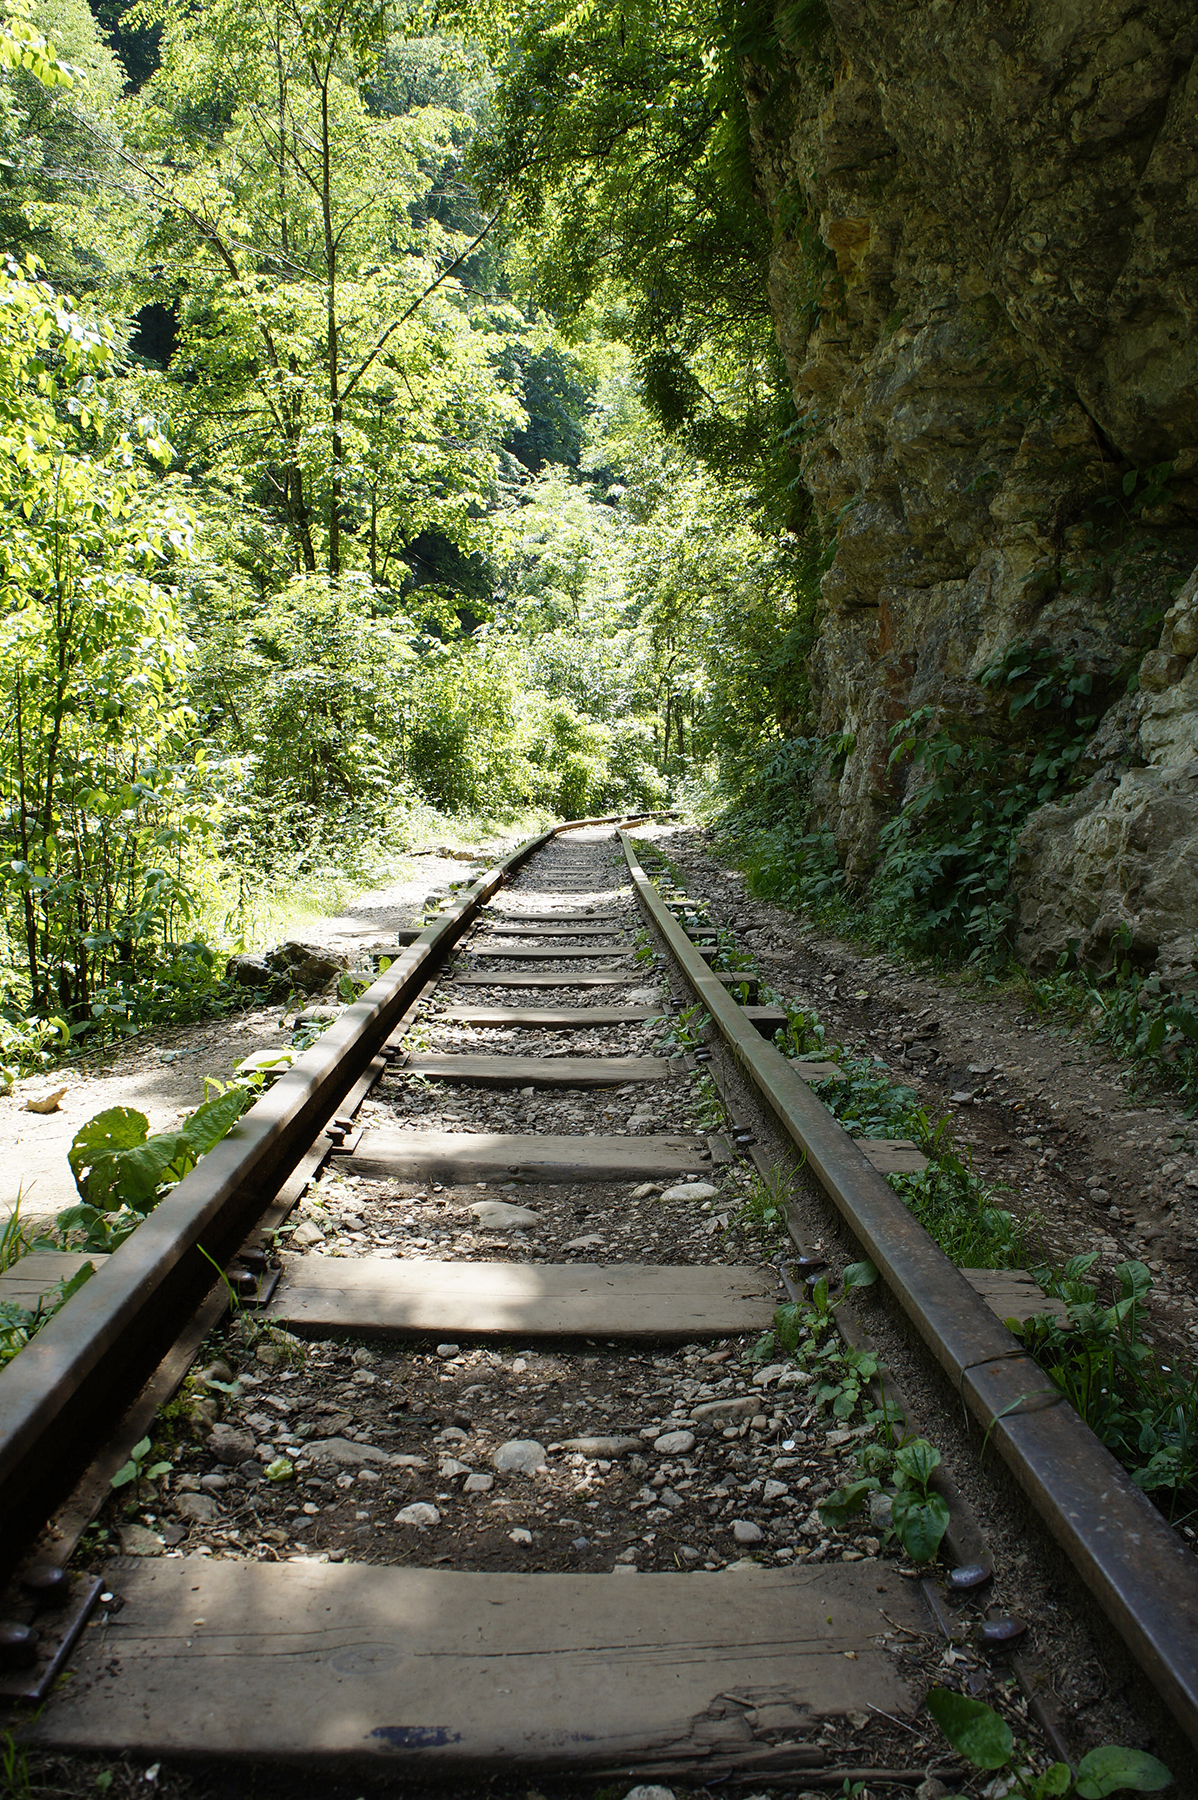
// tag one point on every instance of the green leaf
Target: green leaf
(78, 1279)
(126, 1473)
(159, 1468)
(1055, 1780)
(279, 1470)
(859, 1274)
(134, 1176)
(213, 1120)
(915, 1462)
(846, 1502)
(920, 1521)
(975, 1731)
(119, 1128)
(1111, 1770)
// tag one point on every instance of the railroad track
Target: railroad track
(490, 1350)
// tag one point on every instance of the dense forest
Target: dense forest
(327, 507)
(448, 410)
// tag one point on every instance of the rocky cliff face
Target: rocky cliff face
(985, 284)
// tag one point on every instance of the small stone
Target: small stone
(519, 1456)
(519, 1535)
(445, 1351)
(478, 1484)
(689, 1554)
(691, 1190)
(48, 1103)
(306, 1236)
(774, 1490)
(229, 1445)
(596, 1447)
(649, 1792)
(675, 1443)
(197, 1509)
(645, 1189)
(879, 1511)
(139, 1540)
(450, 1466)
(498, 1215)
(420, 1513)
(214, 1484)
(747, 1531)
(725, 1409)
(592, 1242)
(764, 1376)
(346, 1454)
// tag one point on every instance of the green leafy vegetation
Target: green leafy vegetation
(1144, 1410)
(839, 1379)
(332, 517)
(983, 1737)
(18, 1324)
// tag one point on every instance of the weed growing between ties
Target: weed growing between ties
(896, 1468)
(984, 1738)
(951, 1204)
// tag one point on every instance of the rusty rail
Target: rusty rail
(1130, 1560)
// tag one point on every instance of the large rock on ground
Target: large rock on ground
(307, 966)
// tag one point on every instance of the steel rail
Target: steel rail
(68, 1385)
(1132, 1563)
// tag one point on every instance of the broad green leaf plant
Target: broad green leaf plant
(984, 1738)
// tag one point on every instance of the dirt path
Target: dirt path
(161, 1072)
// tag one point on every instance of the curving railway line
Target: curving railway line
(489, 1364)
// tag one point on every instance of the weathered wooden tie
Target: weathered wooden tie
(459, 1156)
(435, 1672)
(658, 1302)
(539, 1071)
(548, 1018)
(550, 952)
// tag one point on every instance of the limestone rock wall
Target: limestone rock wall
(985, 285)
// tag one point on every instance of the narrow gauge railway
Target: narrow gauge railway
(482, 1477)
